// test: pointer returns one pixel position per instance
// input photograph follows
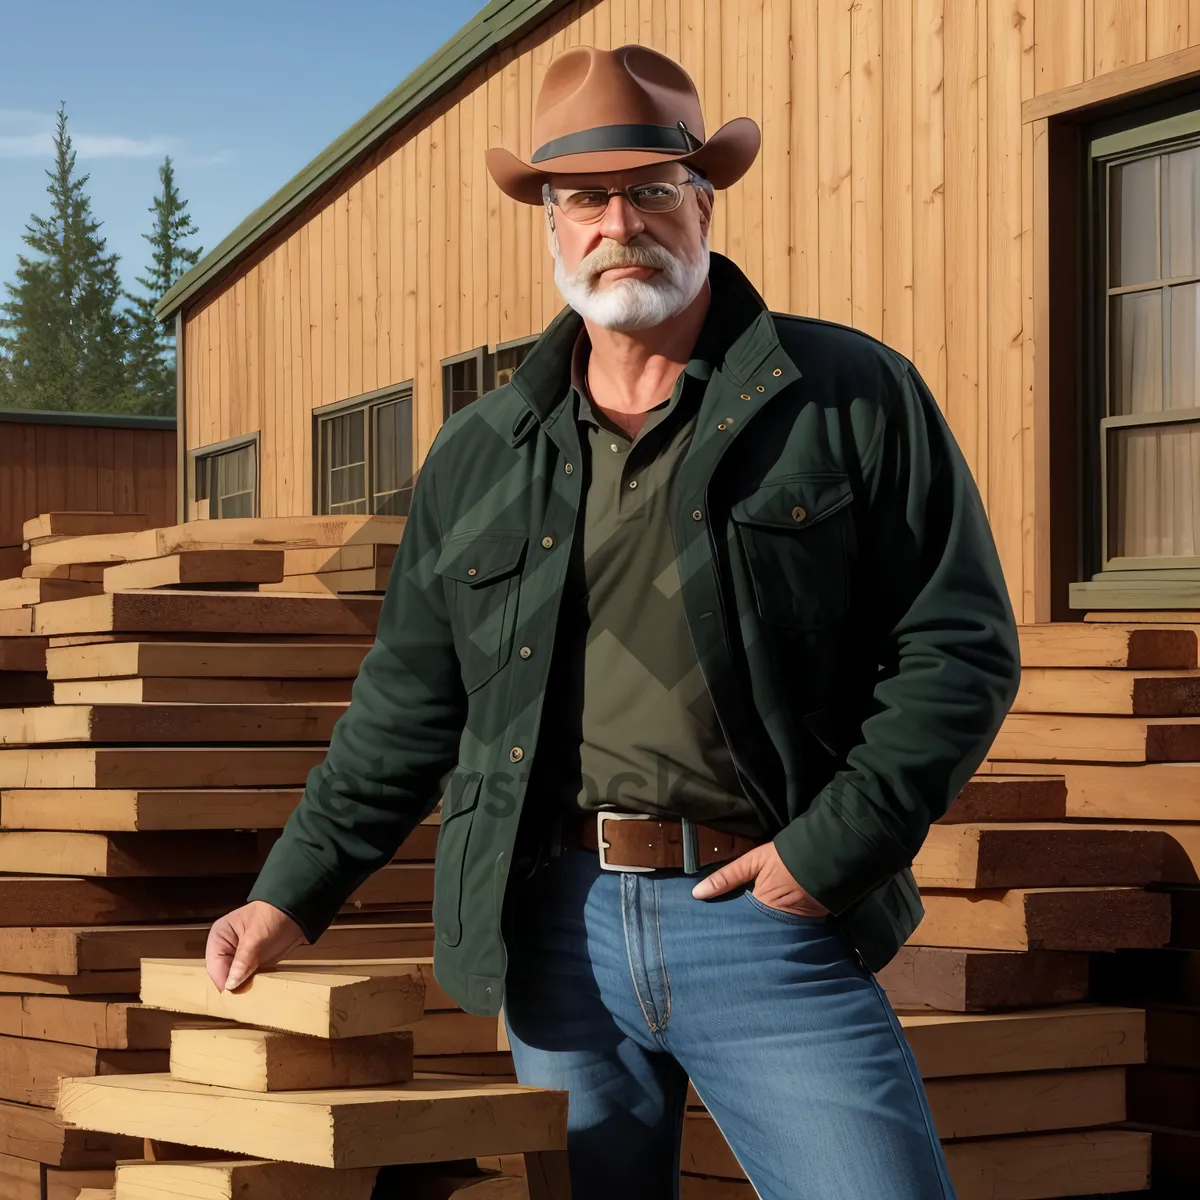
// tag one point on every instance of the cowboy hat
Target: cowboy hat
(611, 110)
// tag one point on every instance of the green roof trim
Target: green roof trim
(496, 26)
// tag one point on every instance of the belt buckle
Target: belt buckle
(601, 817)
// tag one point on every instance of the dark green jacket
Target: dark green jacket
(841, 587)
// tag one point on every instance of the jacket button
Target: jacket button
(697, 515)
(516, 754)
(777, 372)
(761, 388)
(471, 571)
(721, 425)
(525, 652)
(744, 396)
(798, 514)
(568, 468)
(547, 542)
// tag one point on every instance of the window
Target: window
(465, 377)
(225, 478)
(364, 451)
(1146, 229)
(510, 355)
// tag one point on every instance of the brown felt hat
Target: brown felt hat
(611, 110)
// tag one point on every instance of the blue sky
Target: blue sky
(241, 95)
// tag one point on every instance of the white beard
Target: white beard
(628, 304)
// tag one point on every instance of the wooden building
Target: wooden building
(1007, 191)
(75, 462)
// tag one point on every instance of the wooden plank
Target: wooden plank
(247, 1180)
(208, 612)
(137, 767)
(191, 660)
(231, 533)
(1036, 737)
(1179, 618)
(202, 690)
(416, 1122)
(1150, 792)
(987, 798)
(82, 571)
(1124, 83)
(835, 157)
(355, 557)
(17, 593)
(90, 983)
(1120, 35)
(319, 1004)
(975, 980)
(100, 1024)
(20, 1178)
(38, 1134)
(23, 654)
(16, 622)
(368, 579)
(262, 1060)
(1111, 693)
(1166, 26)
(1034, 856)
(130, 810)
(30, 1069)
(169, 723)
(1045, 919)
(79, 1185)
(69, 950)
(127, 855)
(82, 524)
(867, 205)
(18, 689)
(1084, 1035)
(197, 566)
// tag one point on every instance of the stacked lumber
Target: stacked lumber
(1110, 706)
(142, 782)
(303, 1081)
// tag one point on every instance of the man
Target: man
(726, 575)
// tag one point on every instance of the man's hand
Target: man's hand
(255, 935)
(773, 883)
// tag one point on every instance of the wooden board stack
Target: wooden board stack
(1111, 706)
(166, 740)
(306, 1074)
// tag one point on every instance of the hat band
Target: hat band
(677, 138)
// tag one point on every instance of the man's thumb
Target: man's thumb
(741, 870)
(245, 963)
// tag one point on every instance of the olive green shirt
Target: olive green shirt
(629, 723)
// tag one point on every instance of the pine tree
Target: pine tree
(153, 345)
(63, 338)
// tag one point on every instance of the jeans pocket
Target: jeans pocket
(783, 917)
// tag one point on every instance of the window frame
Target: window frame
(368, 403)
(1128, 138)
(511, 344)
(215, 450)
(484, 372)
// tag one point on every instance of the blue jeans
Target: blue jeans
(621, 987)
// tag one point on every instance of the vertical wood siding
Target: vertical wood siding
(895, 192)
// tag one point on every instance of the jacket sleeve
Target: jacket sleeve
(390, 750)
(947, 642)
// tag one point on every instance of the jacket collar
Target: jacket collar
(543, 379)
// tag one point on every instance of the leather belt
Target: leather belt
(640, 842)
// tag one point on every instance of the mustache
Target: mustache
(633, 254)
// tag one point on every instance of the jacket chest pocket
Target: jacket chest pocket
(796, 536)
(481, 571)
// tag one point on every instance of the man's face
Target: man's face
(631, 269)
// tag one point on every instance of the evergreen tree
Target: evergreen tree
(63, 338)
(153, 345)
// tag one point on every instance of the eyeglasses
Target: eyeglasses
(588, 205)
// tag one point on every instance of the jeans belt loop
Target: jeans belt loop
(691, 847)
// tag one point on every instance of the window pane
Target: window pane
(391, 450)
(345, 439)
(347, 484)
(1154, 491)
(1181, 213)
(394, 504)
(1136, 348)
(1185, 346)
(1133, 223)
(241, 505)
